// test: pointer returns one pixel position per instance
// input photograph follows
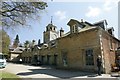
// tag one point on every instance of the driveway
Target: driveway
(26, 71)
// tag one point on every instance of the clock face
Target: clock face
(54, 36)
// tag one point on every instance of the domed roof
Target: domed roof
(50, 25)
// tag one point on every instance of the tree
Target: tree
(16, 41)
(27, 44)
(39, 43)
(5, 42)
(14, 13)
(33, 43)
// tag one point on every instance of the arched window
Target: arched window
(54, 28)
(50, 28)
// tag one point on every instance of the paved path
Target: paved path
(26, 71)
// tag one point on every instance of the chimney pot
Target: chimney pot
(81, 20)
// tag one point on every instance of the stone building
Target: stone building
(78, 48)
(15, 54)
(15, 50)
(119, 20)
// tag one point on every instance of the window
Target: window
(111, 46)
(47, 29)
(20, 49)
(54, 28)
(89, 57)
(32, 49)
(23, 59)
(25, 49)
(48, 59)
(64, 58)
(55, 59)
(74, 28)
(50, 28)
(43, 59)
(30, 59)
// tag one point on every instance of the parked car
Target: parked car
(2, 61)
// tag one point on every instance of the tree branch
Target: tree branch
(18, 12)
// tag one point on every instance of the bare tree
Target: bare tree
(16, 13)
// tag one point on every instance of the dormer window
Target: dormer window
(75, 25)
(74, 28)
(111, 31)
(20, 49)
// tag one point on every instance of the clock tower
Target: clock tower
(50, 33)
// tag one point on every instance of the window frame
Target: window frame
(89, 57)
(111, 44)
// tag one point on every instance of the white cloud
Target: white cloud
(109, 4)
(60, 14)
(93, 11)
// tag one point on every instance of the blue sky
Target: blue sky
(62, 12)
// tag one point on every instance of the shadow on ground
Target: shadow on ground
(58, 73)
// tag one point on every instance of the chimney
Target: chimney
(111, 31)
(61, 32)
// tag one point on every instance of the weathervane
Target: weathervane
(51, 19)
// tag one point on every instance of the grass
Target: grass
(9, 76)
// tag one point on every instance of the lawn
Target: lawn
(9, 76)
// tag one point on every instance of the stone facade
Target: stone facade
(77, 49)
(119, 20)
(15, 54)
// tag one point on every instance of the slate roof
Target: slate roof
(17, 50)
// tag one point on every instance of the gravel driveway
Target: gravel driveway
(26, 71)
